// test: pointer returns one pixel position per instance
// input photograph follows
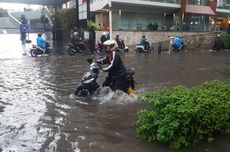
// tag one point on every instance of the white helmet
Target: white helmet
(75, 33)
(104, 33)
(112, 44)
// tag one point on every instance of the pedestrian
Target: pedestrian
(53, 28)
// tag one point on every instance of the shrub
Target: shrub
(94, 26)
(226, 38)
(182, 117)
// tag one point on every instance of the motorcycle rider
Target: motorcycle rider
(218, 43)
(120, 43)
(41, 42)
(116, 70)
(144, 41)
(177, 42)
(118, 40)
(75, 39)
(104, 37)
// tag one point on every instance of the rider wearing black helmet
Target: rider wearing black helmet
(144, 41)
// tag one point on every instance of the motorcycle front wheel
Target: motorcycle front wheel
(87, 51)
(33, 53)
(98, 51)
(71, 52)
(82, 91)
(126, 50)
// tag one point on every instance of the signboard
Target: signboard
(86, 35)
(82, 9)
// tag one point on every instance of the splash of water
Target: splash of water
(106, 96)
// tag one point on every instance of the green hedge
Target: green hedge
(226, 38)
(182, 117)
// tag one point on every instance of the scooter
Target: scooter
(36, 50)
(144, 49)
(122, 46)
(178, 49)
(79, 48)
(99, 47)
(89, 85)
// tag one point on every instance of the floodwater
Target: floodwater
(38, 111)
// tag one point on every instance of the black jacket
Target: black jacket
(116, 69)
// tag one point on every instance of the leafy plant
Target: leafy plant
(226, 38)
(92, 25)
(183, 117)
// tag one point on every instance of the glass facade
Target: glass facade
(198, 2)
(172, 20)
(194, 22)
(124, 20)
(165, 1)
(223, 4)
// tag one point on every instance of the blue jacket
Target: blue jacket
(177, 41)
(41, 42)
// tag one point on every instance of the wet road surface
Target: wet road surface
(39, 113)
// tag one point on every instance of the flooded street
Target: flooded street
(39, 113)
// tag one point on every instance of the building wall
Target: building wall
(128, 20)
(194, 41)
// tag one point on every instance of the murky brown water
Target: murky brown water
(38, 112)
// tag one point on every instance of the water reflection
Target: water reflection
(38, 112)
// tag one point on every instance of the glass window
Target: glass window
(198, 2)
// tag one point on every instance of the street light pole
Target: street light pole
(110, 20)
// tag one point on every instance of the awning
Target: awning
(199, 10)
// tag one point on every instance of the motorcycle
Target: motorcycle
(36, 50)
(178, 49)
(99, 47)
(128, 83)
(89, 85)
(79, 48)
(144, 49)
(122, 46)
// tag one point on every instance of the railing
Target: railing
(16, 21)
(48, 15)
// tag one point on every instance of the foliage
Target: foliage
(94, 26)
(226, 38)
(65, 19)
(182, 117)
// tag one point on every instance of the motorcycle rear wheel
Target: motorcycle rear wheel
(126, 50)
(138, 50)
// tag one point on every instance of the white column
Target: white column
(110, 20)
